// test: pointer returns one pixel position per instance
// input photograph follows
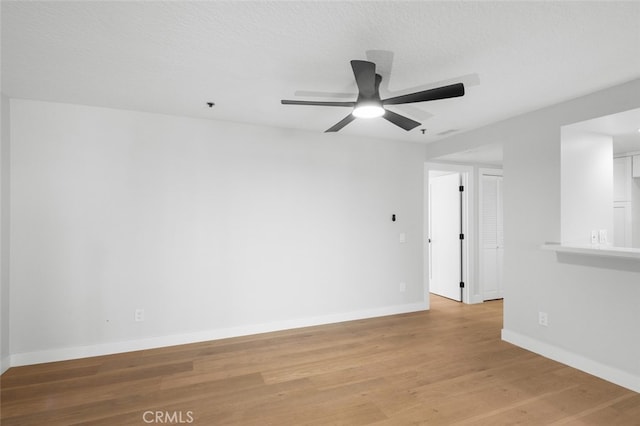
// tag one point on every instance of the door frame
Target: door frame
(481, 172)
(470, 293)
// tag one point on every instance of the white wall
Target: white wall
(214, 228)
(586, 185)
(4, 234)
(592, 304)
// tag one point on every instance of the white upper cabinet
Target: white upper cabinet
(636, 166)
(622, 179)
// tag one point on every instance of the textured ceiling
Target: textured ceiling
(173, 57)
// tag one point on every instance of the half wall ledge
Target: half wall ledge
(594, 250)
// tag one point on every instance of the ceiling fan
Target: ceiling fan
(369, 104)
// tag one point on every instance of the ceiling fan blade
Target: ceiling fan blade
(413, 111)
(444, 92)
(365, 74)
(340, 124)
(318, 103)
(331, 95)
(400, 120)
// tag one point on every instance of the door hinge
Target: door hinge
(461, 284)
(462, 236)
(461, 188)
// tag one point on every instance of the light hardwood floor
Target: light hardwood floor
(447, 366)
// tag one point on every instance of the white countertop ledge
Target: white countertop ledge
(594, 250)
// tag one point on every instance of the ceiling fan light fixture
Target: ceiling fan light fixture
(368, 110)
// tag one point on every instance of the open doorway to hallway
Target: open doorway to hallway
(480, 169)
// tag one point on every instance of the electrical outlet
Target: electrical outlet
(543, 319)
(139, 315)
(403, 287)
(603, 236)
(594, 237)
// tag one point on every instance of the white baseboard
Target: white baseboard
(62, 354)
(603, 371)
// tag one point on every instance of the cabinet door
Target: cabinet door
(622, 179)
(636, 166)
(622, 224)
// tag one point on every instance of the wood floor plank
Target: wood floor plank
(441, 367)
(10, 394)
(79, 396)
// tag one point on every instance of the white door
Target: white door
(444, 235)
(492, 237)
